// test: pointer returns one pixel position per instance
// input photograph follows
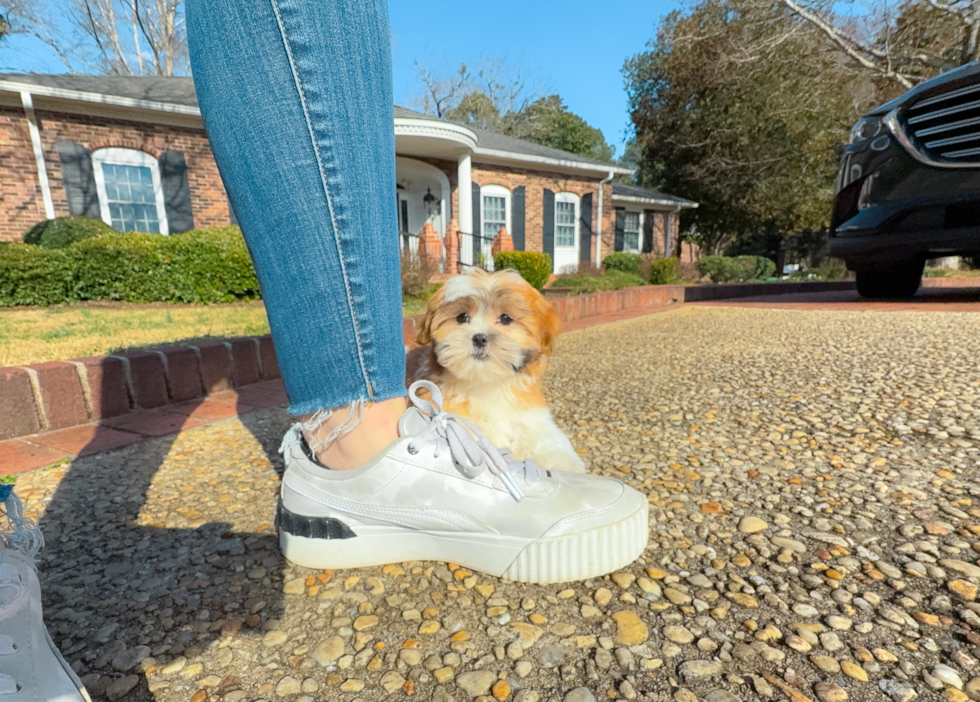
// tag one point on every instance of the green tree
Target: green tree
(739, 106)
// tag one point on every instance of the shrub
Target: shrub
(533, 266)
(415, 273)
(610, 280)
(626, 262)
(663, 271)
(32, 275)
(757, 267)
(61, 232)
(210, 265)
(201, 266)
(830, 269)
(721, 269)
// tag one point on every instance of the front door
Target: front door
(566, 232)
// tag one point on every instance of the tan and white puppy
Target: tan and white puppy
(485, 341)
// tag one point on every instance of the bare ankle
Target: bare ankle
(350, 436)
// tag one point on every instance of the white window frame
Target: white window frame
(117, 156)
(639, 238)
(575, 200)
(496, 191)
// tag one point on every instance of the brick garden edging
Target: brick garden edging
(85, 405)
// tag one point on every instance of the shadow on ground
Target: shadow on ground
(134, 567)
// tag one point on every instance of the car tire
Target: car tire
(900, 280)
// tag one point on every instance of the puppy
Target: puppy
(485, 341)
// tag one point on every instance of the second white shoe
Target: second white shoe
(442, 492)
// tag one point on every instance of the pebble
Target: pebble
(630, 629)
(329, 651)
(830, 692)
(121, 687)
(288, 686)
(677, 634)
(693, 671)
(750, 525)
(476, 682)
(721, 696)
(274, 638)
(947, 676)
(854, 671)
(897, 691)
(580, 694)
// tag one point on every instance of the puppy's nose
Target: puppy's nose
(479, 340)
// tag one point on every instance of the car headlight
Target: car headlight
(866, 128)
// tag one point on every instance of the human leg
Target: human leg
(296, 98)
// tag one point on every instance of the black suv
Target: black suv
(909, 185)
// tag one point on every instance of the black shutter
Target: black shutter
(517, 217)
(620, 228)
(585, 243)
(79, 179)
(176, 192)
(648, 216)
(548, 224)
(477, 209)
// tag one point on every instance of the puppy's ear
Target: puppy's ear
(547, 323)
(424, 337)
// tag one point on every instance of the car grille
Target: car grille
(947, 126)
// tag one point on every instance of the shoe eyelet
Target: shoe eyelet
(412, 451)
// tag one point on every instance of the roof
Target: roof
(179, 90)
(634, 193)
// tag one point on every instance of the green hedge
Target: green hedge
(626, 262)
(610, 280)
(534, 267)
(757, 267)
(200, 266)
(31, 275)
(663, 271)
(62, 232)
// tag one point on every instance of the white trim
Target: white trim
(494, 190)
(434, 129)
(128, 157)
(548, 160)
(42, 168)
(48, 91)
(639, 237)
(464, 191)
(684, 204)
(574, 199)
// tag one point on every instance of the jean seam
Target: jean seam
(326, 192)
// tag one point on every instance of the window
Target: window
(495, 212)
(130, 194)
(564, 223)
(631, 232)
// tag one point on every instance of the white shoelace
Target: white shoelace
(471, 450)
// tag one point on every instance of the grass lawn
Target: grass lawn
(38, 334)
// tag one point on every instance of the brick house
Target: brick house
(133, 152)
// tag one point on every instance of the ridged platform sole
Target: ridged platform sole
(556, 559)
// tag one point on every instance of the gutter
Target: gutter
(42, 170)
(598, 238)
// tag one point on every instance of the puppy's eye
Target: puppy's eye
(505, 319)
(462, 318)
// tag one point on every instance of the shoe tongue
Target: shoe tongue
(412, 422)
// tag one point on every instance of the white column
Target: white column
(42, 171)
(464, 189)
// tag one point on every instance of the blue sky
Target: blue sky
(575, 48)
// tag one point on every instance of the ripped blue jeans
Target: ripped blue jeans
(296, 97)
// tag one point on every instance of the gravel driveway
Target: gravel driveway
(813, 484)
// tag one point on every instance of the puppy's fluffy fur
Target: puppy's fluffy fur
(485, 341)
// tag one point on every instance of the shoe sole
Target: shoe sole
(556, 559)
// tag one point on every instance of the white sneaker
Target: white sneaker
(442, 493)
(31, 668)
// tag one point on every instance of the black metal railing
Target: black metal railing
(475, 250)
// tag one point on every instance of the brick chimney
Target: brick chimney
(502, 242)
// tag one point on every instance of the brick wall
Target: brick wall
(21, 204)
(535, 183)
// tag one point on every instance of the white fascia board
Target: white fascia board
(47, 91)
(683, 204)
(548, 161)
